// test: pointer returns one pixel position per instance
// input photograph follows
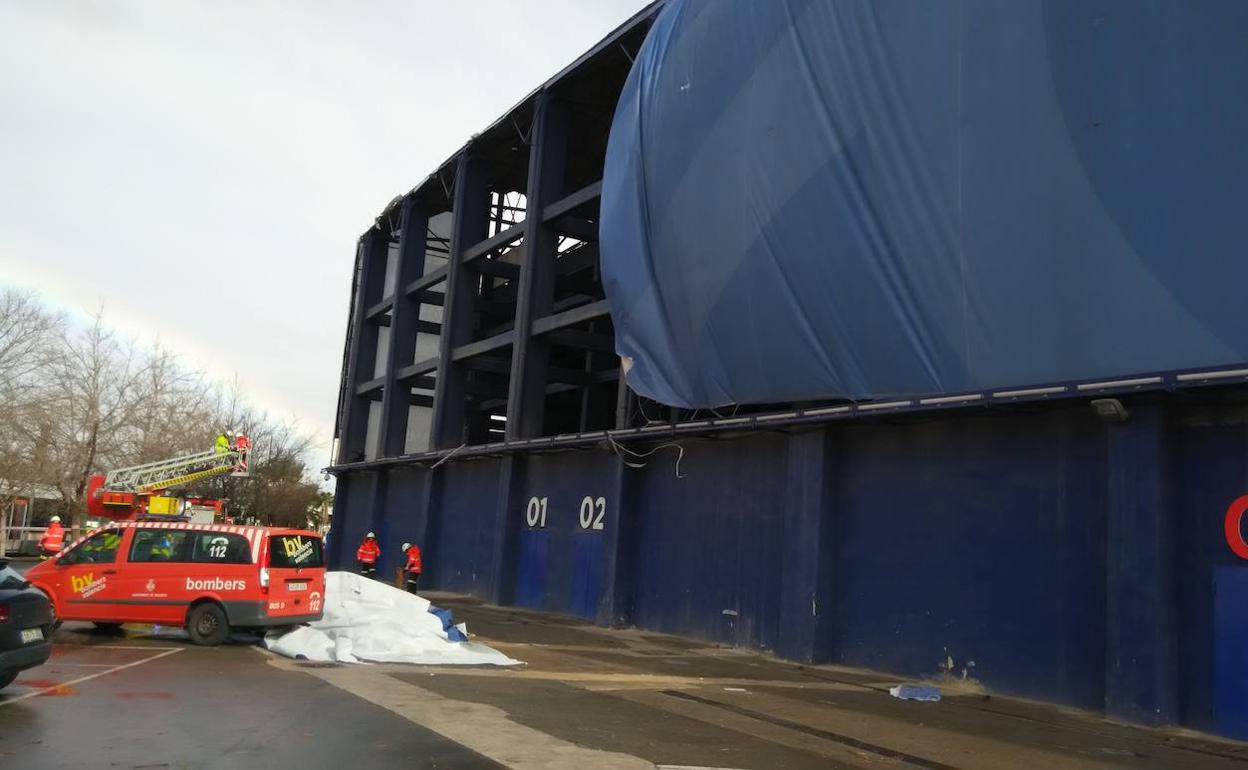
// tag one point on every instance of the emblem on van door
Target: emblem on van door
(151, 586)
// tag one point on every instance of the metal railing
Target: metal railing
(164, 473)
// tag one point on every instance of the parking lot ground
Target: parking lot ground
(139, 700)
(675, 701)
(586, 697)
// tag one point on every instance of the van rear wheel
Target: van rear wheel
(207, 625)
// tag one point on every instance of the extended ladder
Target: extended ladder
(169, 473)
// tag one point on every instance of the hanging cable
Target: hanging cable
(447, 456)
(621, 451)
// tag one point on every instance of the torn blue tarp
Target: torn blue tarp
(454, 633)
(849, 199)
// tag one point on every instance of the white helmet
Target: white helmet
(56, 519)
(370, 534)
(406, 546)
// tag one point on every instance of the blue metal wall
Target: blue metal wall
(1043, 552)
(560, 565)
(976, 544)
(709, 545)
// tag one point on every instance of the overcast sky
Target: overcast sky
(203, 169)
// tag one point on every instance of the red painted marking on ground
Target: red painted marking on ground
(53, 689)
(38, 684)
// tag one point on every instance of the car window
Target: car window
(9, 577)
(220, 548)
(289, 551)
(160, 545)
(100, 548)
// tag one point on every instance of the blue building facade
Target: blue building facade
(1068, 542)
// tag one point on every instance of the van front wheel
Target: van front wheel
(207, 624)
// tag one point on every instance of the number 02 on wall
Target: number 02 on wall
(592, 512)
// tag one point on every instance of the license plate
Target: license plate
(297, 586)
(32, 635)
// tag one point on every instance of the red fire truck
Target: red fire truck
(142, 491)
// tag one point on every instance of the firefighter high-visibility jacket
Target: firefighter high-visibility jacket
(53, 539)
(223, 444)
(368, 551)
(162, 550)
(413, 559)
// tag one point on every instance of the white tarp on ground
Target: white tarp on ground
(366, 620)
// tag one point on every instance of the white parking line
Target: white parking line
(55, 663)
(81, 679)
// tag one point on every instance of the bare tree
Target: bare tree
(98, 389)
(82, 401)
(29, 344)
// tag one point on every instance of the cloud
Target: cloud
(204, 169)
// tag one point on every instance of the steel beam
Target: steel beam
(497, 268)
(580, 229)
(405, 320)
(371, 256)
(368, 386)
(580, 258)
(380, 308)
(497, 342)
(556, 209)
(575, 338)
(471, 210)
(576, 315)
(417, 369)
(536, 291)
(494, 242)
(426, 281)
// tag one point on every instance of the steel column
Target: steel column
(620, 557)
(404, 318)
(807, 601)
(1141, 665)
(526, 396)
(507, 524)
(371, 257)
(471, 212)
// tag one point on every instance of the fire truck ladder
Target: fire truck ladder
(170, 473)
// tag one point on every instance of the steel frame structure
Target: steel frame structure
(524, 340)
(525, 358)
(478, 312)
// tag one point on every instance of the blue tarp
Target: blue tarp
(816, 198)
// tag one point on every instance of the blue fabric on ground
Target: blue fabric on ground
(444, 615)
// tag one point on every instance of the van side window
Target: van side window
(100, 548)
(220, 548)
(293, 551)
(159, 545)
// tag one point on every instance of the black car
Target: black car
(25, 625)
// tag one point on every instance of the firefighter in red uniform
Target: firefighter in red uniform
(242, 445)
(412, 568)
(53, 539)
(367, 555)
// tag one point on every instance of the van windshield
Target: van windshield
(291, 551)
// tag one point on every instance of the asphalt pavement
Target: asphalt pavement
(144, 700)
(586, 697)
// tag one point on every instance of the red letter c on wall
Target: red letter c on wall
(1235, 535)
